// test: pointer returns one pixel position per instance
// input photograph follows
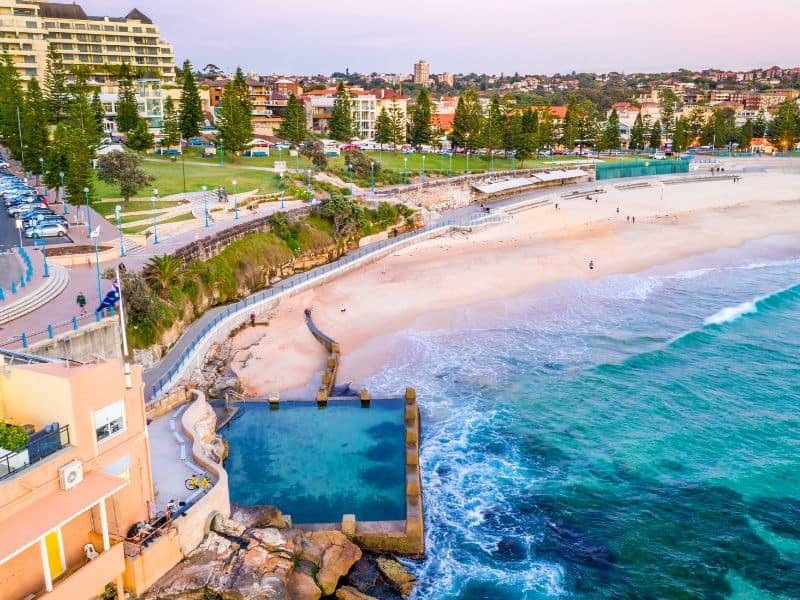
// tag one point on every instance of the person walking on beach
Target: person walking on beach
(81, 301)
(633, 220)
(591, 265)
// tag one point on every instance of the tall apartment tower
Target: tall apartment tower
(422, 72)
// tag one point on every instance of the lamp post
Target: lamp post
(405, 169)
(205, 203)
(44, 256)
(63, 198)
(451, 163)
(95, 235)
(222, 153)
(423, 168)
(283, 189)
(513, 161)
(41, 164)
(372, 174)
(88, 214)
(235, 202)
(468, 173)
(118, 213)
(310, 191)
(153, 200)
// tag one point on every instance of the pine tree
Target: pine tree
(81, 140)
(140, 138)
(99, 113)
(341, 123)
(492, 137)
(383, 128)
(655, 136)
(668, 101)
(127, 107)
(191, 113)
(467, 122)
(34, 126)
(55, 86)
(784, 130)
(546, 133)
(235, 123)
(569, 130)
(747, 134)
(58, 156)
(293, 127)
(171, 129)
(760, 125)
(421, 129)
(610, 137)
(637, 134)
(530, 125)
(11, 105)
(680, 137)
(521, 139)
(398, 123)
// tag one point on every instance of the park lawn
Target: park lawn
(195, 154)
(169, 179)
(107, 208)
(140, 228)
(132, 218)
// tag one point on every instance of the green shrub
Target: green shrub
(12, 437)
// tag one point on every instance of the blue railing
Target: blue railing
(41, 445)
(52, 329)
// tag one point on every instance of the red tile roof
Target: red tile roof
(443, 121)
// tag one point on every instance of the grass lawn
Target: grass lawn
(140, 228)
(195, 154)
(169, 179)
(107, 208)
(132, 218)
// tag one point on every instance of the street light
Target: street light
(310, 191)
(451, 163)
(63, 197)
(372, 174)
(405, 169)
(468, 173)
(205, 203)
(153, 199)
(423, 168)
(282, 191)
(235, 202)
(222, 153)
(88, 214)
(95, 235)
(41, 164)
(350, 170)
(118, 213)
(44, 255)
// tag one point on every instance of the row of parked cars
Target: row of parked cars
(23, 203)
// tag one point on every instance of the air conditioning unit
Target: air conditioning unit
(70, 475)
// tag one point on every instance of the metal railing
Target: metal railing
(42, 446)
(24, 339)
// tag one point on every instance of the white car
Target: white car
(658, 156)
(4, 164)
(46, 230)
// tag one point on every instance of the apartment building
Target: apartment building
(69, 495)
(28, 29)
(422, 72)
(149, 100)
(363, 109)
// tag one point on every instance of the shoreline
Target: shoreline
(440, 283)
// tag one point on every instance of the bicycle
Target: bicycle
(193, 483)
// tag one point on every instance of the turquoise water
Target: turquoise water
(318, 464)
(631, 437)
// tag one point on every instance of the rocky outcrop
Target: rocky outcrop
(397, 575)
(351, 593)
(367, 578)
(215, 375)
(205, 429)
(241, 559)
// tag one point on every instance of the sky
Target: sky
(462, 36)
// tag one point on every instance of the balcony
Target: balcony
(91, 575)
(41, 444)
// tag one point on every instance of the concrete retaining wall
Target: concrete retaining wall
(102, 339)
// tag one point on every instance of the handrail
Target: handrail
(40, 448)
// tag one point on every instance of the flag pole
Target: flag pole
(125, 357)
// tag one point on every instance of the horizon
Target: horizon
(365, 44)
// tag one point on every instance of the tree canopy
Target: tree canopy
(124, 169)
(191, 112)
(234, 121)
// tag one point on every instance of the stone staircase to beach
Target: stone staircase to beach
(52, 287)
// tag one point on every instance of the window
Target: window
(109, 421)
(122, 28)
(30, 72)
(27, 46)
(94, 27)
(30, 24)
(80, 26)
(49, 25)
(137, 30)
(29, 59)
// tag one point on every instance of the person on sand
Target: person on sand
(628, 218)
(252, 319)
(633, 220)
(618, 210)
(591, 265)
(343, 309)
(556, 205)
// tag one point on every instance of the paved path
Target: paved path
(170, 469)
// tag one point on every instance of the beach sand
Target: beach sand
(433, 284)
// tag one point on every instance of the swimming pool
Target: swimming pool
(317, 464)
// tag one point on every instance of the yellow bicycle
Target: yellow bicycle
(193, 483)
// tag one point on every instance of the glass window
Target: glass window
(108, 27)
(65, 25)
(30, 72)
(109, 421)
(30, 24)
(122, 28)
(80, 26)
(27, 46)
(94, 27)
(137, 30)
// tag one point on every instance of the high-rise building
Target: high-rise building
(447, 79)
(422, 72)
(28, 29)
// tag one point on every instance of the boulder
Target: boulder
(397, 575)
(269, 538)
(259, 517)
(227, 527)
(223, 384)
(351, 593)
(331, 551)
(367, 578)
(302, 585)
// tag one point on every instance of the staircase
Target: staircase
(52, 287)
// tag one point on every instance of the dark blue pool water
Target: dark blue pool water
(318, 464)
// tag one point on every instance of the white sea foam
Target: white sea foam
(731, 313)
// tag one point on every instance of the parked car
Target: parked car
(46, 230)
(4, 164)
(29, 214)
(43, 219)
(347, 147)
(658, 155)
(19, 209)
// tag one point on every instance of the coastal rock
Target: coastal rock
(332, 552)
(258, 517)
(223, 385)
(302, 585)
(270, 538)
(351, 593)
(367, 578)
(227, 527)
(397, 574)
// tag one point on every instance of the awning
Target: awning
(22, 529)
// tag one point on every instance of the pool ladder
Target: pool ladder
(236, 395)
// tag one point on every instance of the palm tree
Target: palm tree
(163, 271)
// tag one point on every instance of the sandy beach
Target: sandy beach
(433, 284)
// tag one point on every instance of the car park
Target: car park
(52, 219)
(18, 209)
(46, 230)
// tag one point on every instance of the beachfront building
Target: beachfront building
(422, 72)
(149, 101)
(76, 482)
(363, 108)
(28, 29)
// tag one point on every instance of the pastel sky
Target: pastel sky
(528, 36)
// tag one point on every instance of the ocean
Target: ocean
(634, 436)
